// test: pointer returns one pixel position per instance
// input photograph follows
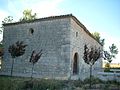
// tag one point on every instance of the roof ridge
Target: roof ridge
(49, 17)
(56, 17)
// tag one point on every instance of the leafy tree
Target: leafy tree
(90, 57)
(109, 55)
(98, 38)
(1, 51)
(113, 50)
(27, 15)
(1, 29)
(16, 50)
(102, 41)
(107, 67)
(34, 59)
(8, 19)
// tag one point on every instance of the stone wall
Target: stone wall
(50, 35)
(60, 38)
(109, 76)
(79, 38)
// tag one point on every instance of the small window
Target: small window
(76, 34)
(31, 31)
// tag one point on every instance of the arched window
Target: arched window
(31, 31)
(75, 64)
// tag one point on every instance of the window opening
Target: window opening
(31, 31)
(75, 64)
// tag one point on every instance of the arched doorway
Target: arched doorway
(75, 64)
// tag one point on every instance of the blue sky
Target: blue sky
(102, 16)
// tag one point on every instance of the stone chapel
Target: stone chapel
(62, 39)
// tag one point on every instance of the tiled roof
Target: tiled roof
(40, 19)
(55, 17)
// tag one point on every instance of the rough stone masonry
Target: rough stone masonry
(62, 39)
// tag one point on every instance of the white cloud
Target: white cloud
(47, 8)
(43, 8)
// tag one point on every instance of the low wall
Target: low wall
(109, 76)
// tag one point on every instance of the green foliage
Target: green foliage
(107, 67)
(1, 50)
(43, 85)
(35, 56)
(77, 83)
(112, 82)
(1, 45)
(102, 41)
(14, 83)
(8, 83)
(107, 70)
(109, 55)
(17, 49)
(94, 80)
(17, 83)
(98, 38)
(34, 59)
(1, 29)
(8, 19)
(113, 50)
(27, 15)
(91, 55)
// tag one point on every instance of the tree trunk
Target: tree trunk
(32, 71)
(12, 66)
(90, 76)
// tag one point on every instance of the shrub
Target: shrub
(78, 83)
(107, 67)
(94, 80)
(43, 84)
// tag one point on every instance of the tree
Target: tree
(107, 67)
(1, 29)
(97, 36)
(90, 57)
(8, 19)
(16, 50)
(113, 50)
(109, 55)
(34, 59)
(1, 50)
(27, 15)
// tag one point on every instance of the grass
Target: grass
(19, 83)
